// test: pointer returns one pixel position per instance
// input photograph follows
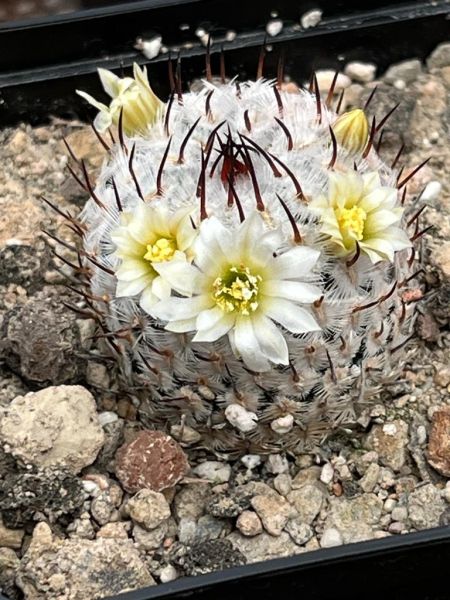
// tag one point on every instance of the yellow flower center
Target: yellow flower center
(161, 251)
(352, 220)
(237, 290)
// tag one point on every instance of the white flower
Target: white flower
(134, 96)
(239, 286)
(147, 237)
(358, 209)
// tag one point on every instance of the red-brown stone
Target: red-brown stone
(152, 460)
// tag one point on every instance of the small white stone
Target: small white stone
(325, 78)
(230, 35)
(399, 84)
(90, 487)
(331, 537)
(432, 191)
(214, 471)
(168, 573)
(241, 418)
(400, 513)
(251, 461)
(149, 48)
(389, 505)
(362, 72)
(326, 475)
(274, 27)
(106, 417)
(311, 18)
(277, 463)
(283, 424)
(390, 429)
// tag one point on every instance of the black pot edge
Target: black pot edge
(365, 19)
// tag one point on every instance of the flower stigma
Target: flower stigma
(237, 290)
(161, 251)
(352, 220)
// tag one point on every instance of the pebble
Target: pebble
(282, 425)
(106, 417)
(186, 530)
(406, 71)
(442, 376)
(397, 527)
(307, 501)
(325, 78)
(149, 509)
(389, 505)
(432, 191)
(425, 506)
(361, 72)
(168, 573)
(355, 518)
(251, 461)
(274, 512)
(56, 426)
(185, 434)
(274, 27)
(191, 500)
(283, 483)
(152, 460)
(102, 508)
(72, 568)
(440, 57)
(370, 478)
(214, 471)
(249, 524)
(244, 420)
(390, 441)
(113, 530)
(149, 48)
(149, 541)
(399, 513)
(304, 476)
(327, 473)
(263, 546)
(299, 531)
(311, 18)
(277, 464)
(438, 452)
(11, 538)
(331, 537)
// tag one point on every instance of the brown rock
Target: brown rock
(438, 454)
(152, 460)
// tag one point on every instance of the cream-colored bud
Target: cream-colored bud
(352, 130)
(133, 97)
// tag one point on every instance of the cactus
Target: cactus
(249, 256)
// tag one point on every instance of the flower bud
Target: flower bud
(352, 130)
(132, 96)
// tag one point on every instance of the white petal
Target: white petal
(141, 226)
(212, 247)
(148, 300)
(292, 290)
(212, 325)
(181, 326)
(110, 82)
(161, 288)
(181, 276)
(271, 340)
(380, 220)
(180, 309)
(247, 345)
(131, 269)
(294, 263)
(397, 237)
(131, 288)
(292, 317)
(99, 105)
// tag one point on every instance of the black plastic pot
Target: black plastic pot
(43, 61)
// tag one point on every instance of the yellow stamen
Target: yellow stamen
(352, 220)
(161, 251)
(237, 290)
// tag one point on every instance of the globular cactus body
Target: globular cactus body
(249, 268)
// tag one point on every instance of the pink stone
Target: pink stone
(152, 460)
